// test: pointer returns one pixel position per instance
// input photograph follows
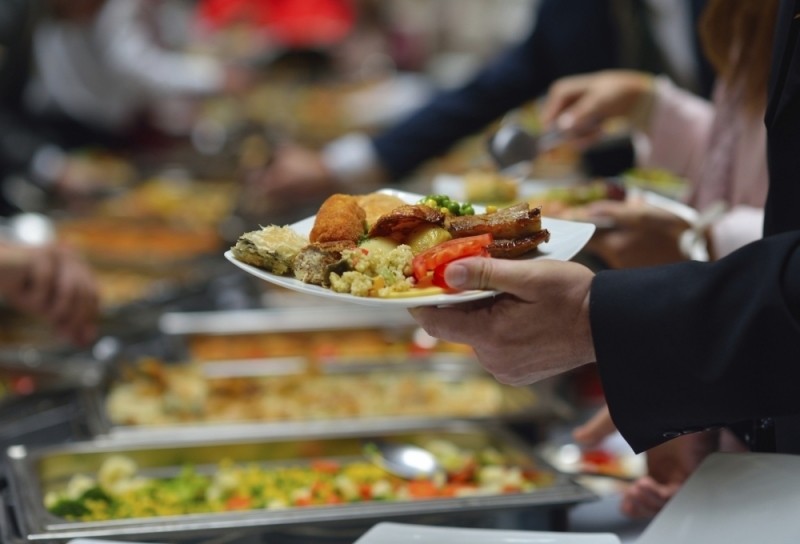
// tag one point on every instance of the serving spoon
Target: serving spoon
(404, 460)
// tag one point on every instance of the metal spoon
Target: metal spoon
(404, 460)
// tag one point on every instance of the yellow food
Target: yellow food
(182, 394)
(380, 244)
(425, 237)
(425, 292)
(394, 267)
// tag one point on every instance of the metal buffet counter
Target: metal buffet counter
(34, 473)
(350, 360)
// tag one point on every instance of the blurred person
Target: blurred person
(78, 73)
(720, 146)
(569, 37)
(52, 283)
(681, 348)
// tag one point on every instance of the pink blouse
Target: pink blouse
(678, 139)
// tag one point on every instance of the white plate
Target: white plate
(567, 238)
(396, 533)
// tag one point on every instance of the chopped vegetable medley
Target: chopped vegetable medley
(118, 492)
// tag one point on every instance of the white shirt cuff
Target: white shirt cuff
(351, 158)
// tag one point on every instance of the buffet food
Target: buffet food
(158, 394)
(119, 492)
(398, 250)
(118, 241)
(189, 203)
(341, 347)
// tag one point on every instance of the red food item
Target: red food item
(323, 465)
(365, 490)
(422, 489)
(238, 503)
(303, 501)
(598, 457)
(447, 252)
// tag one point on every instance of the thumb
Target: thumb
(481, 273)
(596, 429)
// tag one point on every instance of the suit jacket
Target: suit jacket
(688, 347)
(570, 37)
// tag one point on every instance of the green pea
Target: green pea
(441, 199)
(454, 208)
(467, 209)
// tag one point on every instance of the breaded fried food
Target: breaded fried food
(401, 221)
(271, 248)
(311, 264)
(376, 205)
(339, 219)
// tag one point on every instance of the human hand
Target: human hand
(577, 105)
(51, 282)
(296, 174)
(538, 328)
(668, 465)
(644, 235)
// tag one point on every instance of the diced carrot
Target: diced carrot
(238, 503)
(304, 501)
(422, 489)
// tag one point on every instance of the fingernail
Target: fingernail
(456, 275)
(565, 121)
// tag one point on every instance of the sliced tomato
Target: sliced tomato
(447, 252)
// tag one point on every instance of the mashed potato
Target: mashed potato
(375, 273)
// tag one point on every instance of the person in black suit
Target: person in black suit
(569, 37)
(680, 348)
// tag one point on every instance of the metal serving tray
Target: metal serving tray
(537, 403)
(33, 473)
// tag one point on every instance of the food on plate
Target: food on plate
(517, 221)
(365, 273)
(436, 258)
(119, 492)
(425, 237)
(444, 204)
(312, 264)
(401, 221)
(511, 249)
(381, 263)
(339, 219)
(272, 248)
(564, 201)
(158, 394)
(377, 204)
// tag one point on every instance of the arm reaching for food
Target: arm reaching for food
(51, 282)
(668, 465)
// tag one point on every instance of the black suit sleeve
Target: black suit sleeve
(685, 347)
(570, 37)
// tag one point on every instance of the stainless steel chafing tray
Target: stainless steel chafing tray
(33, 473)
(538, 403)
